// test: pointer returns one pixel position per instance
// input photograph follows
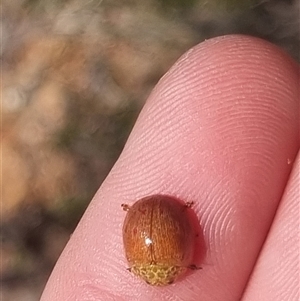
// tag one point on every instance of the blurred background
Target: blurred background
(75, 75)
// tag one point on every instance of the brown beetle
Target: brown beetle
(159, 239)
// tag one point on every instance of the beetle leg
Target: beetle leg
(189, 204)
(194, 267)
(125, 207)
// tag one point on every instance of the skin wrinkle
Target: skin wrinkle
(214, 229)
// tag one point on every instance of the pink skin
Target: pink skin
(220, 129)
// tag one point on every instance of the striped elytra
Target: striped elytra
(159, 239)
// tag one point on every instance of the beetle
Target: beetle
(159, 239)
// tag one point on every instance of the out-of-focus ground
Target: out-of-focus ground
(75, 75)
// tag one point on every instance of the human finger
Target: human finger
(216, 130)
